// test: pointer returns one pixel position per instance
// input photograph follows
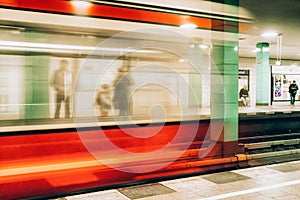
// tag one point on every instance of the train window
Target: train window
(160, 81)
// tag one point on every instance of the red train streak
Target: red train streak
(44, 164)
(121, 13)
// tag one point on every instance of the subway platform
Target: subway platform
(56, 164)
(280, 109)
(277, 181)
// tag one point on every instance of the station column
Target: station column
(37, 87)
(224, 86)
(36, 93)
(262, 74)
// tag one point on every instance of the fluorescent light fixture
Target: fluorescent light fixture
(30, 49)
(278, 63)
(188, 26)
(181, 60)
(256, 50)
(46, 45)
(236, 48)
(269, 34)
(203, 46)
(62, 48)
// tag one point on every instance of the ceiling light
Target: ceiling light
(203, 46)
(188, 26)
(236, 48)
(46, 45)
(80, 4)
(269, 34)
(30, 49)
(181, 60)
(63, 48)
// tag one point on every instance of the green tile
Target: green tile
(225, 177)
(147, 190)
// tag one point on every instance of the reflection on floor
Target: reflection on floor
(280, 181)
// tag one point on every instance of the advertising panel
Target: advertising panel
(282, 76)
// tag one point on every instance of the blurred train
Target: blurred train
(26, 71)
(171, 72)
(33, 43)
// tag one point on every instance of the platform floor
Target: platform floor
(278, 181)
(190, 114)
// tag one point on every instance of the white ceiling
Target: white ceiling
(269, 15)
(273, 15)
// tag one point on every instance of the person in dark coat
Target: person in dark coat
(293, 88)
(121, 95)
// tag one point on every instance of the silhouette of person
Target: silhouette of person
(62, 83)
(293, 91)
(121, 94)
(103, 100)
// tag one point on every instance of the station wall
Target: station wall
(249, 64)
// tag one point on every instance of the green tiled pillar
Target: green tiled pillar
(224, 85)
(224, 98)
(224, 88)
(263, 86)
(36, 87)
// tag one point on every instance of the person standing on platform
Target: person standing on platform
(103, 100)
(293, 91)
(244, 96)
(121, 96)
(62, 83)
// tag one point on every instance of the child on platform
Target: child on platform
(103, 100)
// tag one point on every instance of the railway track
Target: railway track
(269, 149)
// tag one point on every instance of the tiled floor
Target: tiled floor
(279, 182)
